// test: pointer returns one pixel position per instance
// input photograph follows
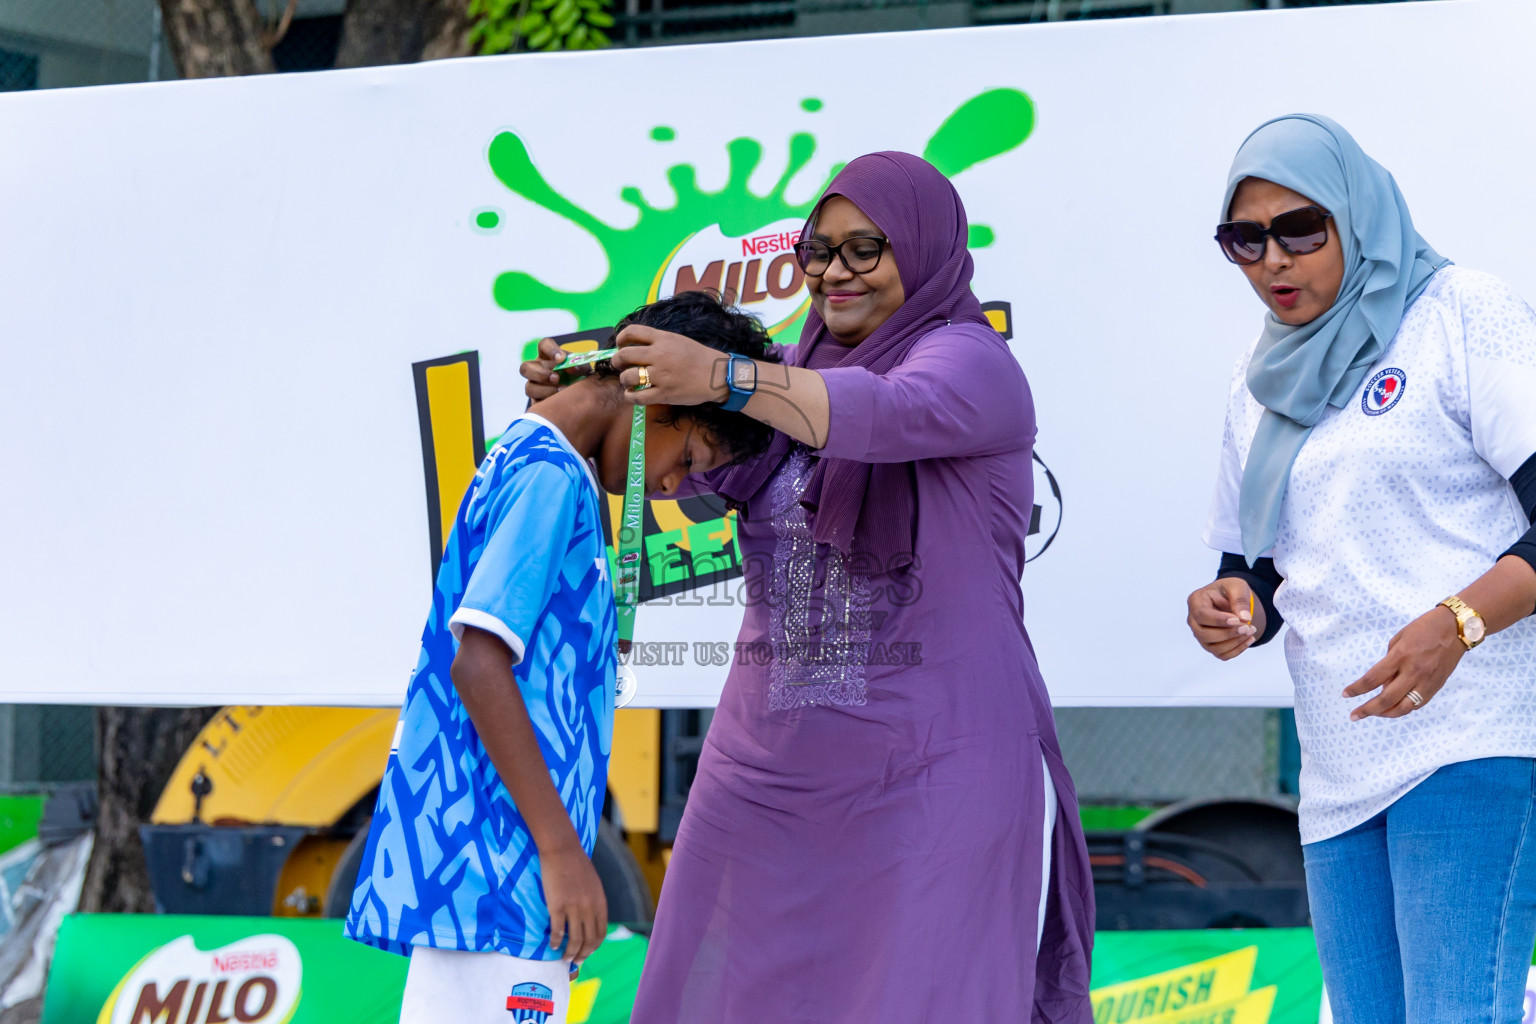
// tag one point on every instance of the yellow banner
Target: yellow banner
(1214, 991)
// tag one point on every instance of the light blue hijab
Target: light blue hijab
(1298, 372)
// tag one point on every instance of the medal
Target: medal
(625, 688)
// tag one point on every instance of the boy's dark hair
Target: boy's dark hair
(702, 316)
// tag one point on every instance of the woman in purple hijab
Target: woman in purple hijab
(882, 830)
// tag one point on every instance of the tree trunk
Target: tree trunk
(138, 749)
(215, 38)
(402, 32)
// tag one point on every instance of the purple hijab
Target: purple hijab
(865, 510)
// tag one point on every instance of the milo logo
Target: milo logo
(737, 239)
(758, 271)
(254, 979)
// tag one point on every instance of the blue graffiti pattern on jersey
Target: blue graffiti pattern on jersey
(449, 862)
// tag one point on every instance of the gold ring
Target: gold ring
(1418, 701)
(645, 378)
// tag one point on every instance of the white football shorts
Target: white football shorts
(450, 986)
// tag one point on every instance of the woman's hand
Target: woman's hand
(680, 370)
(1421, 657)
(543, 381)
(1220, 620)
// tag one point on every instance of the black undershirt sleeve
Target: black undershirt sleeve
(1524, 482)
(1263, 579)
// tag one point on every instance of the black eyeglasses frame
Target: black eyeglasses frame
(1270, 232)
(837, 251)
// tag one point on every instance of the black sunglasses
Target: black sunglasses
(1298, 232)
(859, 254)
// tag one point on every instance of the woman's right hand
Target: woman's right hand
(1219, 618)
(543, 381)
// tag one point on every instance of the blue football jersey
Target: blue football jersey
(449, 861)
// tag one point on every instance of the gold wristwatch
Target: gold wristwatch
(1469, 625)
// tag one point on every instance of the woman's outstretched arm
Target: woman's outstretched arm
(960, 392)
(683, 372)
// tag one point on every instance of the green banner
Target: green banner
(164, 969)
(19, 816)
(1257, 976)
(130, 969)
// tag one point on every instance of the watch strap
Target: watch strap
(1463, 612)
(737, 396)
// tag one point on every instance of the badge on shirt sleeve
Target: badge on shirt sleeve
(1384, 391)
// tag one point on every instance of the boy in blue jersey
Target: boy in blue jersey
(477, 863)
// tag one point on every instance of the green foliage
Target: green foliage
(507, 26)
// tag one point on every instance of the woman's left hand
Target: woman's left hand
(680, 370)
(1421, 657)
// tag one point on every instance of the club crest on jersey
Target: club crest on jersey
(531, 1002)
(1384, 391)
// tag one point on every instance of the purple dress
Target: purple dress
(862, 844)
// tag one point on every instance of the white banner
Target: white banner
(256, 331)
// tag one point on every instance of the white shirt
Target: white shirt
(1398, 500)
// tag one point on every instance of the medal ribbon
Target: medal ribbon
(626, 587)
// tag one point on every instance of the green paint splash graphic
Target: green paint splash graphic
(985, 126)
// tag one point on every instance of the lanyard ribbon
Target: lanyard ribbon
(626, 589)
(626, 586)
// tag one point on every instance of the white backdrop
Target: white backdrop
(212, 294)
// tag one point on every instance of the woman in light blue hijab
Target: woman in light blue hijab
(1380, 454)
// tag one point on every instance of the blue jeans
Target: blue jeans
(1426, 914)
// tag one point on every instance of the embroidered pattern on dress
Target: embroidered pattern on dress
(819, 634)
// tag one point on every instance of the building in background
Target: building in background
(49, 44)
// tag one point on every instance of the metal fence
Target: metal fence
(659, 22)
(1159, 755)
(44, 745)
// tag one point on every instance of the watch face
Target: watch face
(1473, 629)
(744, 373)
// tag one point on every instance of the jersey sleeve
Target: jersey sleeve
(1500, 334)
(531, 519)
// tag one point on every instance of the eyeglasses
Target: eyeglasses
(1298, 232)
(859, 254)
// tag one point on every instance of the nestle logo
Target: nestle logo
(759, 245)
(262, 960)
